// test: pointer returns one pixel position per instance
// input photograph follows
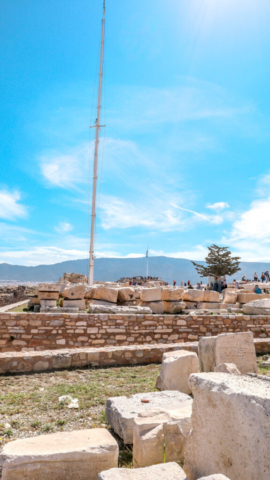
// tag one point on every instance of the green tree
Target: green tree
(219, 263)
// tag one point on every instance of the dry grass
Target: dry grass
(29, 404)
(21, 308)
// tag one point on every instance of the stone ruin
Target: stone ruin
(221, 432)
(10, 294)
(143, 281)
(72, 294)
(73, 278)
(211, 413)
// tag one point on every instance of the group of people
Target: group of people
(189, 285)
(219, 285)
(264, 276)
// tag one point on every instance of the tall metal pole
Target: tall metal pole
(147, 256)
(97, 127)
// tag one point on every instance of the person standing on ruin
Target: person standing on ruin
(262, 277)
(174, 283)
(182, 283)
(255, 277)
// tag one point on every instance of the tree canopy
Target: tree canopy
(219, 263)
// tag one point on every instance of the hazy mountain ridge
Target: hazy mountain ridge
(111, 269)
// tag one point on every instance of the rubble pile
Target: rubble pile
(14, 293)
(123, 298)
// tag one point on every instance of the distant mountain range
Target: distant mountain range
(111, 269)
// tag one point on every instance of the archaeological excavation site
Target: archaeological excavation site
(134, 240)
(135, 380)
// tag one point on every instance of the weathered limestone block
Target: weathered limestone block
(89, 292)
(81, 454)
(210, 306)
(47, 303)
(193, 295)
(49, 287)
(257, 307)
(173, 307)
(121, 411)
(176, 368)
(80, 304)
(165, 471)
(208, 296)
(171, 294)
(75, 292)
(230, 297)
(49, 296)
(151, 294)
(156, 307)
(230, 427)
(237, 348)
(215, 477)
(249, 297)
(160, 435)
(126, 294)
(130, 310)
(106, 293)
(191, 305)
(34, 300)
(227, 368)
(211, 296)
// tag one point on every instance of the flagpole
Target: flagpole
(97, 127)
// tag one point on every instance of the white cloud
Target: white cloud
(250, 233)
(218, 206)
(254, 223)
(195, 100)
(156, 214)
(153, 212)
(64, 227)
(215, 219)
(41, 255)
(9, 206)
(66, 170)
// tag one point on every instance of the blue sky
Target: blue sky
(186, 148)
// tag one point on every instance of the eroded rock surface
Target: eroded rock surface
(81, 454)
(121, 411)
(175, 371)
(230, 427)
(165, 471)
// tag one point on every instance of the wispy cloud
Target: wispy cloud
(216, 219)
(66, 170)
(41, 255)
(10, 208)
(218, 206)
(195, 100)
(156, 214)
(64, 227)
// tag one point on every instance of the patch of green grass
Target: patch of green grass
(262, 370)
(61, 422)
(21, 308)
(36, 424)
(8, 432)
(15, 423)
(47, 428)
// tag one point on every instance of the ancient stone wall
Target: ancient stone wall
(43, 331)
(21, 362)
